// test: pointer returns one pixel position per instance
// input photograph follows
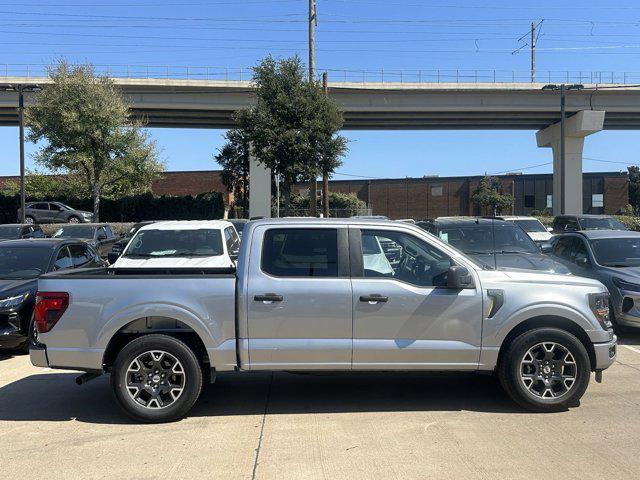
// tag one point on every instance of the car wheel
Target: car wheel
(545, 370)
(29, 220)
(156, 378)
(31, 334)
(74, 219)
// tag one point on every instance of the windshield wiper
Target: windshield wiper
(513, 251)
(137, 255)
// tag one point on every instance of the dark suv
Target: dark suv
(98, 235)
(575, 223)
(17, 231)
(54, 212)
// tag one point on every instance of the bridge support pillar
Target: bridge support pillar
(259, 190)
(567, 178)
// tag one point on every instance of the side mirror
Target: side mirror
(112, 257)
(582, 262)
(458, 277)
(546, 247)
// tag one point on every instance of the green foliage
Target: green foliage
(348, 203)
(293, 125)
(488, 195)
(84, 123)
(234, 158)
(134, 208)
(47, 186)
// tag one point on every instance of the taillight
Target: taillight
(49, 308)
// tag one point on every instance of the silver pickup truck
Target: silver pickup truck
(313, 294)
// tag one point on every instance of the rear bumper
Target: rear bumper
(605, 353)
(38, 355)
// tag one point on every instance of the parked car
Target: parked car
(182, 244)
(119, 245)
(98, 235)
(304, 298)
(21, 262)
(534, 227)
(54, 212)
(17, 231)
(239, 224)
(613, 258)
(495, 243)
(574, 223)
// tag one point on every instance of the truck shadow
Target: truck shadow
(55, 397)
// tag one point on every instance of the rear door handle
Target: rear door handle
(374, 298)
(268, 297)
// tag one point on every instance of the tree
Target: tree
(293, 125)
(488, 195)
(234, 158)
(43, 186)
(634, 186)
(84, 122)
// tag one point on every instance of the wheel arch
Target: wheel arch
(150, 325)
(553, 321)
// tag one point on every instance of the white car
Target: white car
(182, 244)
(534, 228)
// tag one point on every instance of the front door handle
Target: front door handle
(268, 297)
(374, 298)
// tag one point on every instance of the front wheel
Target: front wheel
(156, 378)
(545, 370)
(74, 219)
(29, 220)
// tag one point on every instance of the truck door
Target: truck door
(404, 316)
(299, 299)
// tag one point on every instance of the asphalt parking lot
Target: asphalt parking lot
(319, 426)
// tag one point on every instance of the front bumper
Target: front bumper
(605, 353)
(38, 355)
(626, 307)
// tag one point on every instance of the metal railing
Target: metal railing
(381, 75)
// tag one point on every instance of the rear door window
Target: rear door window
(300, 252)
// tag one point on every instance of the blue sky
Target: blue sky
(356, 35)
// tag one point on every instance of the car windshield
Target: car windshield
(601, 223)
(135, 228)
(75, 231)
(617, 252)
(23, 262)
(7, 232)
(479, 239)
(175, 243)
(530, 225)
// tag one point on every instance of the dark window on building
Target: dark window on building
(529, 201)
(300, 252)
(436, 190)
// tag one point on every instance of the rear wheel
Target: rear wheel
(156, 378)
(545, 370)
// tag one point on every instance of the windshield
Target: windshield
(530, 225)
(175, 243)
(479, 239)
(8, 232)
(74, 231)
(135, 228)
(617, 252)
(601, 223)
(23, 262)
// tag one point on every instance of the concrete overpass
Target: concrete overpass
(400, 106)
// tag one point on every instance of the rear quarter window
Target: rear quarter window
(300, 252)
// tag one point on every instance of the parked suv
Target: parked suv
(98, 235)
(17, 231)
(54, 212)
(574, 223)
(534, 227)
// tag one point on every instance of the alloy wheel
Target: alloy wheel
(548, 370)
(155, 379)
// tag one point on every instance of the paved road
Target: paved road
(312, 426)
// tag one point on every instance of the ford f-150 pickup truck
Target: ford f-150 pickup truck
(320, 294)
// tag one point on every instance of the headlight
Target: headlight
(13, 301)
(599, 304)
(624, 285)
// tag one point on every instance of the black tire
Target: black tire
(74, 219)
(517, 358)
(32, 335)
(30, 220)
(192, 381)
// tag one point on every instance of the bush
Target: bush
(135, 208)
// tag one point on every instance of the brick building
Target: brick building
(606, 192)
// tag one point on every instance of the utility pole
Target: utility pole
(325, 174)
(21, 122)
(562, 150)
(533, 52)
(313, 187)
